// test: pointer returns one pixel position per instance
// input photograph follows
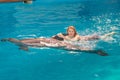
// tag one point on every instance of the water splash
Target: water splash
(25, 36)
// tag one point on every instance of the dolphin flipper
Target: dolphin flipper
(101, 52)
(25, 48)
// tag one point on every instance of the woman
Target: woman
(73, 36)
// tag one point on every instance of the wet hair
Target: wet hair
(28, 1)
(73, 28)
(59, 38)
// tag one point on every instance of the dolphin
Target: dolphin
(24, 46)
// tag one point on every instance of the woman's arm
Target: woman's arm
(93, 37)
(61, 35)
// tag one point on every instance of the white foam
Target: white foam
(41, 48)
(114, 28)
(27, 36)
(73, 52)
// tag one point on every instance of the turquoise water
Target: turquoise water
(47, 19)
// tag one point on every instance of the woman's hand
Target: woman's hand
(61, 35)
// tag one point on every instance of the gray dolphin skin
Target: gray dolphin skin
(24, 1)
(25, 46)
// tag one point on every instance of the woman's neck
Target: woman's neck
(70, 37)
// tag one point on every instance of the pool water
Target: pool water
(46, 19)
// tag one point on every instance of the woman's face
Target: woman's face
(71, 32)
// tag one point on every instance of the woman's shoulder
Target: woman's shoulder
(77, 35)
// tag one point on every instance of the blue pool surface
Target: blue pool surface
(47, 18)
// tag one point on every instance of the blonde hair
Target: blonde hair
(73, 28)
